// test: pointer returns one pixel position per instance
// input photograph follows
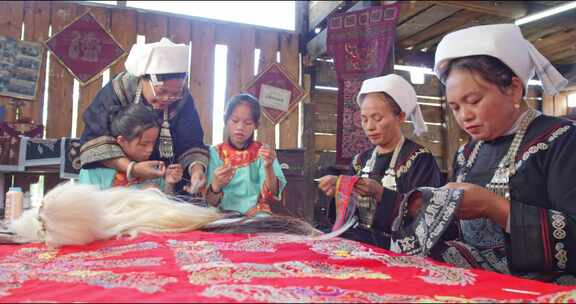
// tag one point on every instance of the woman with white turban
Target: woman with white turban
(394, 166)
(156, 76)
(515, 192)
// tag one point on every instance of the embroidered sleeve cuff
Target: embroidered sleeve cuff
(100, 149)
(198, 154)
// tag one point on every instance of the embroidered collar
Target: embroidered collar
(238, 158)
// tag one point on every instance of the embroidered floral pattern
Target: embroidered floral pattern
(329, 294)
(435, 274)
(542, 146)
(39, 263)
(408, 164)
(207, 266)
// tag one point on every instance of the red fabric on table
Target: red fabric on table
(208, 267)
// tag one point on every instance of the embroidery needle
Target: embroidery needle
(521, 291)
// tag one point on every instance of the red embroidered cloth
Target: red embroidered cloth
(207, 267)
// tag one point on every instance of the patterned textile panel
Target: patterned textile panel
(206, 267)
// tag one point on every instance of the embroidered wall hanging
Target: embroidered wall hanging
(85, 48)
(277, 92)
(360, 43)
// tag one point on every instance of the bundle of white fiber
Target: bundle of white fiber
(75, 214)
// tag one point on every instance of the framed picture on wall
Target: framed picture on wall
(20, 64)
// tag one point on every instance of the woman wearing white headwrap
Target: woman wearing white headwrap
(515, 192)
(394, 166)
(156, 76)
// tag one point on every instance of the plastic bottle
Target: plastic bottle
(14, 204)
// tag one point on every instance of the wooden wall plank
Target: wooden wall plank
(11, 26)
(231, 36)
(325, 123)
(61, 82)
(37, 22)
(289, 57)
(267, 41)
(179, 30)
(123, 26)
(155, 27)
(89, 91)
(202, 74)
(325, 142)
(247, 48)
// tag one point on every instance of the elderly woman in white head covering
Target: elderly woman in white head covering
(515, 190)
(156, 76)
(394, 166)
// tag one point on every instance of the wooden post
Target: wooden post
(268, 42)
(202, 74)
(289, 57)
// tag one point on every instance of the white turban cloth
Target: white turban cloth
(505, 42)
(403, 94)
(163, 57)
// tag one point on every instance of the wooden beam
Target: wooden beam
(563, 19)
(487, 19)
(409, 9)
(317, 46)
(318, 11)
(556, 43)
(424, 20)
(509, 9)
(459, 19)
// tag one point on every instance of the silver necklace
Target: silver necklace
(499, 183)
(389, 178)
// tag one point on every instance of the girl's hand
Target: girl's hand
(222, 176)
(148, 169)
(173, 173)
(268, 155)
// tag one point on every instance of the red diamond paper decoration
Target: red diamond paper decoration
(85, 48)
(277, 92)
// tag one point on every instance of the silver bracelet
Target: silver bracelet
(129, 170)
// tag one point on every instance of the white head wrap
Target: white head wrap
(163, 57)
(403, 94)
(505, 42)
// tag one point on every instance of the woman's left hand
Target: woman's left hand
(369, 187)
(479, 202)
(268, 155)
